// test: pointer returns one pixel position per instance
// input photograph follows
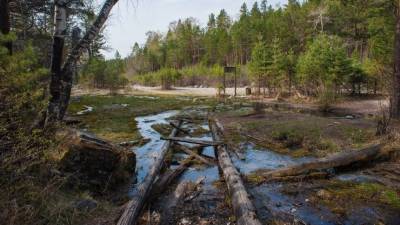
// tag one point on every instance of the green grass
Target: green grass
(363, 192)
(112, 121)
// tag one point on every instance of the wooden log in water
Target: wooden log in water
(197, 156)
(243, 208)
(134, 207)
(344, 161)
(193, 141)
(181, 191)
(168, 177)
(180, 129)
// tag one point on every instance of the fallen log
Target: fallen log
(181, 191)
(343, 161)
(197, 156)
(169, 176)
(243, 208)
(134, 207)
(193, 141)
(180, 129)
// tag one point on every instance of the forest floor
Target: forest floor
(281, 134)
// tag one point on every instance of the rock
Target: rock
(324, 194)
(95, 164)
(86, 205)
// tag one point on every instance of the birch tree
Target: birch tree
(61, 83)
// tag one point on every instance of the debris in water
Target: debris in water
(87, 109)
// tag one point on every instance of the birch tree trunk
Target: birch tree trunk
(76, 53)
(395, 100)
(5, 25)
(60, 31)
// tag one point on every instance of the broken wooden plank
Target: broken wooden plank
(197, 156)
(193, 141)
(243, 208)
(134, 207)
(353, 160)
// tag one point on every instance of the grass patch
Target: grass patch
(298, 134)
(362, 192)
(113, 117)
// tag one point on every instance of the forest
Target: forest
(276, 114)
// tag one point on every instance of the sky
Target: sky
(131, 19)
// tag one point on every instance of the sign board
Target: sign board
(229, 69)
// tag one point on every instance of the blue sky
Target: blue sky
(131, 19)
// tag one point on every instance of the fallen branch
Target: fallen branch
(134, 207)
(180, 129)
(243, 208)
(352, 160)
(193, 141)
(169, 176)
(197, 156)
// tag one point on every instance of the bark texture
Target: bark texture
(61, 80)
(60, 31)
(243, 208)
(67, 71)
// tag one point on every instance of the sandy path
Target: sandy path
(141, 90)
(357, 106)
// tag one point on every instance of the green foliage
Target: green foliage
(190, 75)
(23, 85)
(340, 46)
(101, 73)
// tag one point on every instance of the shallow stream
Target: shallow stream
(268, 198)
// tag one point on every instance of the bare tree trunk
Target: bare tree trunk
(395, 100)
(61, 84)
(5, 25)
(60, 30)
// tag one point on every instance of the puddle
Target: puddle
(146, 154)
(271, 203)
(256, 159)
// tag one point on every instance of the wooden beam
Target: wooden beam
(243, 208)
(193, 141)
(134, 207)
(180, 129)
(197, 156)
